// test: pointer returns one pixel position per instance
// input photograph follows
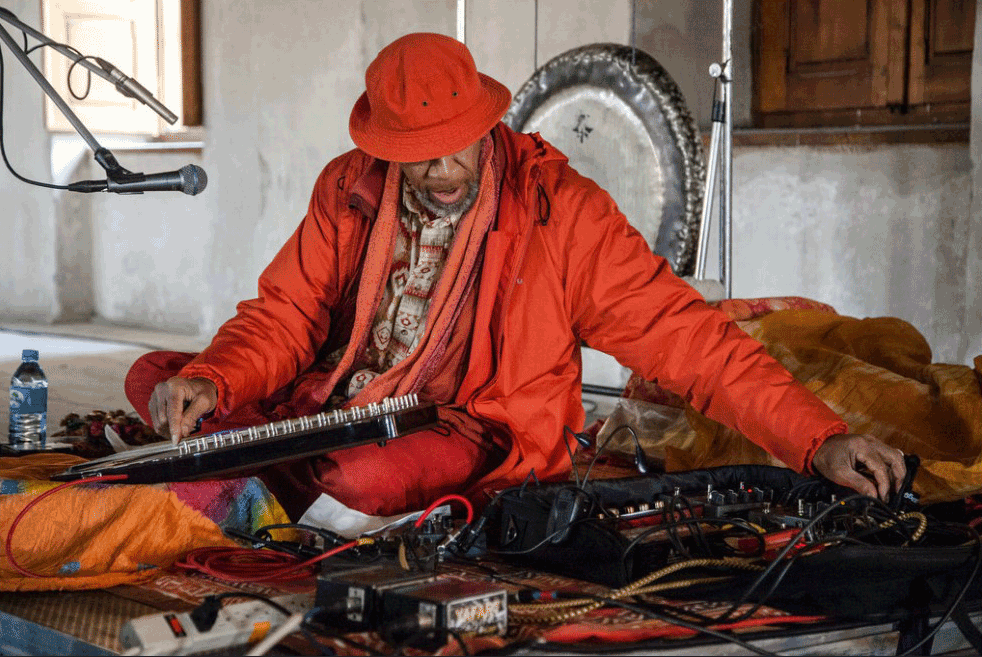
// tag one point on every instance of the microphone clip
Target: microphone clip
(116, 174)
(114, 170)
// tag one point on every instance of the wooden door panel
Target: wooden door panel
(828, 33)
(942, 38)
(952, 28)
(835, 54)
(857, 62)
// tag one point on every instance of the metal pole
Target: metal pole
(726, 218)
(462, 21)
(712, 171)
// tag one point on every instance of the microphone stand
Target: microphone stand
(102, 155)
(720, 163)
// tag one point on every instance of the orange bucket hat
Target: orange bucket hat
(424, 99)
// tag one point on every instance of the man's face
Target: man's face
(446, 185)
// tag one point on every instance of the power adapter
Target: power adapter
(570, 505)
(351, 599)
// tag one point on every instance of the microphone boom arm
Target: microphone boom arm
(115, 173)
(105, 70)
(103, 155)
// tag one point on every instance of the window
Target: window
(157, 43)
(862, 62)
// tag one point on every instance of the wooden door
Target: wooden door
(862, 62)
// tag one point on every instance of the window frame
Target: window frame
(173, 77)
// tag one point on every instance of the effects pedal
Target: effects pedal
(424, 616)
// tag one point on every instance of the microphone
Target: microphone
(640, 460)
(133, 89)
(191, 179)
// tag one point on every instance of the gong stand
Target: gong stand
(720, 163)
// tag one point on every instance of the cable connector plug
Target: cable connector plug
(205, 614)
(450, 542)
(469, 535)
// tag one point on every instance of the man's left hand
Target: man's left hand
(840, 457)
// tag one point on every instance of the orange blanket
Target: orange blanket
(92, 536)
(878, 375)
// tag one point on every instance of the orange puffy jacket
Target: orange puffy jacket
(562, 267)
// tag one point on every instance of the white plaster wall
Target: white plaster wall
(506, 44)
(27, 217)
(872, 231)
(150, 252)
(971, 341)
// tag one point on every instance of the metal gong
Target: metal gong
(622, 121)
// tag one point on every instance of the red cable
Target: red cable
(446, 498)
(757, 622)
(10, 533)
(249, 565)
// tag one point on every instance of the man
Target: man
(451, 257)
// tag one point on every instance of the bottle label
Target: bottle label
(28, 400)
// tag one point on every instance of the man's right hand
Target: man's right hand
(177, 403)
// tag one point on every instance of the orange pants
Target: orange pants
(405, 475)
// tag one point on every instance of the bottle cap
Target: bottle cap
(29, 354)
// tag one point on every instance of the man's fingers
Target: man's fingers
(851, 479)
(177, 403)
(199, 406)
(887, 466)
(176, 397)
(881, 473)
(158, 407)
(899, 469)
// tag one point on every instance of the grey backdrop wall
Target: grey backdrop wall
(890, 230)
(27, 214)
(970, 342)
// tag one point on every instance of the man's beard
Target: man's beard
(459, 207)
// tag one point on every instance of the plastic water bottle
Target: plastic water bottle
(28, 404)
